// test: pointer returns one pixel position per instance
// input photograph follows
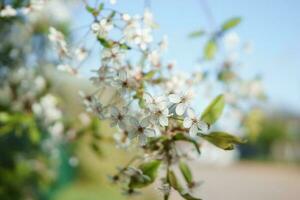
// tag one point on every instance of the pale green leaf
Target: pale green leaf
(231, 23)
(196, 34)
(186, 172)
(223, 140)
(214, 110)
(210, 49)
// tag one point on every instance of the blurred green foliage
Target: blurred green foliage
(272, 137)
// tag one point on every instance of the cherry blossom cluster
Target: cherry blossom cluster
(151, 105)
(33, 5)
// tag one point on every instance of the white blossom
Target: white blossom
(112, 2)
(56, 130)
(163, 45)
(102, 28)
(8, 11)
(119, 117)
(67, 68)
(143, 37)
(81, 54)
(154, 58)
(148, 18)
(141, 130)
(47, 109)
(92, 104)
(123, 81)
(181, 101)
(194, 124)
(231, 40)
(103, 77)
(112, 55)
(158, 109)
(58, 39)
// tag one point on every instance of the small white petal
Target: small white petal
(148, 98)
(174, 98)
(187, 122)
(146, 121)
(193, 130)
(165, 112)
(123, 75)
(114, 111)
(149, 132)
(203, 126)
(191, 114)
(163, 120)
(180, 109)
(134, 122)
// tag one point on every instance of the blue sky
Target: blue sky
(272, 26)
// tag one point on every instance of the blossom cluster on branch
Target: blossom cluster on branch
(151, 104)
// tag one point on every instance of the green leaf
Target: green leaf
(149, 175)
(111, 15)
(210, 49)
(172, 179)
(101, 6)
(182, 137)
(188, 196)
(196, 34)
(223, 140)
(90, 9)
(149, 75)
(186, 172)
(150, 168)
(231, 23)
(214, 110)
(124, 46)
(105, 43)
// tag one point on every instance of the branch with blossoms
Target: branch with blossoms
(150, 108)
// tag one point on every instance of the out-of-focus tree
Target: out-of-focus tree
(37, 138)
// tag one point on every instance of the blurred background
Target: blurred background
(51, 149)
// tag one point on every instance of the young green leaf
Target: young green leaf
(90, 9)
(101, 6)
(105, 43)
(210, 49)
(172, 179)
(196, 34)
(149, 170)
(149, 75)
(214, 110)
(186, 172)
(188, 196)
(223, 140)
(124, 46)
(231, 23)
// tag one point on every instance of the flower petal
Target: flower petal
(193, 130)
(145, 122)
(180, 109)
(163, 120)
(149, 132)
(187, 122)
(114, 111)
(203, 127)
(174, 98)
